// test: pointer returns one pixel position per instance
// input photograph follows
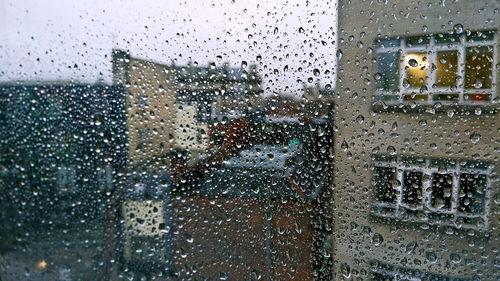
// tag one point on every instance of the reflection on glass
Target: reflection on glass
(416, 65)
(388, 69)
(447, 67)
(478, 67)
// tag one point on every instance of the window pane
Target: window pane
(416, 65)
(442, 188)
(480, 36)
(412, 189)
(388, 68)
(447, 67)
(478, 67)
(249, 140)
(385, 184)
(447, 38)
(417, 41)
(386, 43)
(471, 196)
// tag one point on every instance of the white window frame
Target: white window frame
(399, 273)
(397, 276)
(428, 170)
(431, 50)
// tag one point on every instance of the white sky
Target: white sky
(45, 39)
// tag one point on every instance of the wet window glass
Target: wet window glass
(249, 140)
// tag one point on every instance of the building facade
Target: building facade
(416, 150)
(170, 106)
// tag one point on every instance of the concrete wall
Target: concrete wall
(363, 132)
(151, 111)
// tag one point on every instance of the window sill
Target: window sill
(457, 109)
(427, 224)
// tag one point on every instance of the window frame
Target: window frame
(397, 273)
(428, 168)
(431, 49)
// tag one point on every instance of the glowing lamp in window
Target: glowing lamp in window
(416, 65)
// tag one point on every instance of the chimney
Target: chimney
(120, 66)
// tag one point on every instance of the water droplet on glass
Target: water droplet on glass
(455, 258)
(413, 62)
(339, 54)
(475, 137)
(431, 256)
(223, 275)
(411, 246)
(391, 150)
(377, 239)
(406, 83)
(458, 28)
(344, 146)
(478, 84)
(478, 111)
(346, 270)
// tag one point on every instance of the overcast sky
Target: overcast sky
(72, 40)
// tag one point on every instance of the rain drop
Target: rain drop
(458, 28)
(413, 62)
(377, 239)
(475, 137)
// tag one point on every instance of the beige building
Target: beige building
(416, 152)
(150, 90)
(169, 107)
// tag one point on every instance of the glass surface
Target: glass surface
(249, 140)
(472, 193)
(412, 189)
(478, 67)
(442, 187)
(388, 70)
(447, 68)
(384, 184)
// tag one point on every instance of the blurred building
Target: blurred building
(316, 103)
(416, 151)
(64, 141)
(169, 106)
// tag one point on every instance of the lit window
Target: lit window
(445, 68)
(416, 65)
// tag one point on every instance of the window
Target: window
(388, 272)
(435, 191)
(444, 68)
(241, 140)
